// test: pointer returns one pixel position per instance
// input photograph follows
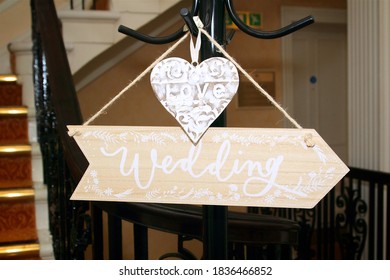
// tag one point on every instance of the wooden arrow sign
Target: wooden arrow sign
(292, 168)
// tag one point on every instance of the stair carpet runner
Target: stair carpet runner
(18, 234)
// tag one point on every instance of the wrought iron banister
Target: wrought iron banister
(351, 221)
(72, 4)
(364, 200)
(63, 161)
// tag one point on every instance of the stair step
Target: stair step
(27, 251)
(10, 91)
(15, 166)
(17, 215)
(14, 125)
(8, 78)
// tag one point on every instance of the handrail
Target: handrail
(62, 158)
(65, 98)
(248, 229)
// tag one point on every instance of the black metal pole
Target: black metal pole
(212, 14)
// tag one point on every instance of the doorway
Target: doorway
(315, 80)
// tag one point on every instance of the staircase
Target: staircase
(18, 231)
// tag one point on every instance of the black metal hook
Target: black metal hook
(150, 39)
(189, 20)
(160, 40)
(266, 34)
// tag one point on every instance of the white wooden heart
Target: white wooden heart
(195, 94)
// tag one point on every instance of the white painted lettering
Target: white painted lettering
(261, 176)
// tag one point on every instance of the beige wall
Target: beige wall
(21, 11)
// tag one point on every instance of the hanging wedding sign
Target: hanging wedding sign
(292, 168)
(196, 164)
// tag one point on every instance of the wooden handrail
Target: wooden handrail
(64, 98)
(243, 227)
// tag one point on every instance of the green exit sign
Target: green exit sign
(251, 19)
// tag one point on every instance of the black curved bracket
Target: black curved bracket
(188, 18)
(149, 39)
(166, 39)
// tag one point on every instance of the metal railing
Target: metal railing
(88, 4)
(349, 223)
(82, 4)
